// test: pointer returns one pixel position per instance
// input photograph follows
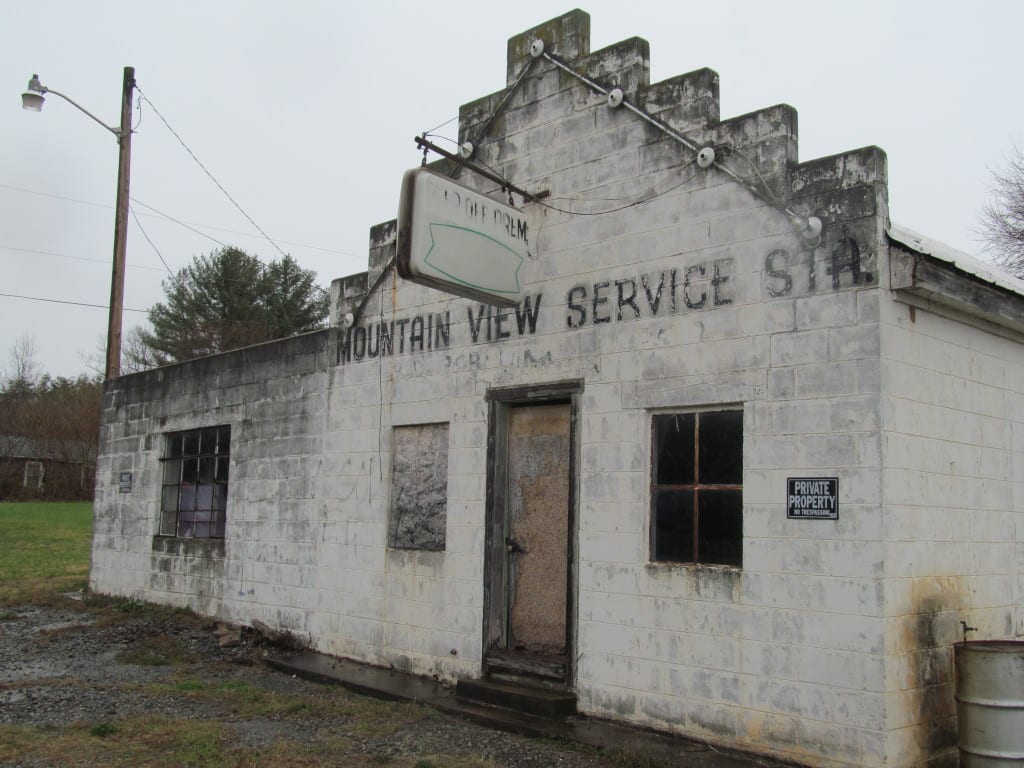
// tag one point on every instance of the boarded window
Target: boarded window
(697, 488)
(419, 487)
(194, 494)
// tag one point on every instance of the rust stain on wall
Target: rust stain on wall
(938, 603)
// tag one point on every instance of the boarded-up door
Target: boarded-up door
(538, 528)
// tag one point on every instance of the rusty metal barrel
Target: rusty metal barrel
(990, 703)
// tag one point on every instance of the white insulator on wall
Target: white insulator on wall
(706, 157)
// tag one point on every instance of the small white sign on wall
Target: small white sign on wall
(459, 241)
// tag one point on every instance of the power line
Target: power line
(638, 201)
(73, 303)
(186, 224)
(150, 241)
(207, 172)
(497, 177)
(76, 258)
(106, 262)
(442, 125)
(182, 223)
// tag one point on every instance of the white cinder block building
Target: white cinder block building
(718, 472)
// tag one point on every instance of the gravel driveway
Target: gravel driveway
(86, 672)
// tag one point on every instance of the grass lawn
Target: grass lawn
(44, 549)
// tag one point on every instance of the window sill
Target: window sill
(720, 583)
(172, 545)
(659, 565)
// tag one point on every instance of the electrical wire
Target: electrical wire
(73, 303)
(767, 195)
(210, 175)
(138, 109)
(181, 223)
(187, 225)
(631, 204)
(429, 134)
(456, 167)
(106, 262)
(132, 199)
(357, 315)
(768, 192)
(507, 185)
(442, 125)
(77, 258)
(55, 197)
(150, 241)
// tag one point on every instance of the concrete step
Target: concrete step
(526, 665)
(530, 699)
(601, 734)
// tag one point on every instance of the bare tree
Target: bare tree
(18, 380)
(18, 383)
(135, 354)
(46, 421)
(23, 372)
(1002, 219)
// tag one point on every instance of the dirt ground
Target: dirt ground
(119, 683)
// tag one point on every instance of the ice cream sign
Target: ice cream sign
(459, 241)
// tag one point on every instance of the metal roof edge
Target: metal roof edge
(962, 262)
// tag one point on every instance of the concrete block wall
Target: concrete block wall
(418, 611)
(659, 286)
(273, 397)
(694, 293)
(954, 487)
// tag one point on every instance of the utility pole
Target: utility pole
(124, 140)
(32, 100)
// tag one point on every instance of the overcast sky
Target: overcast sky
(305, 112)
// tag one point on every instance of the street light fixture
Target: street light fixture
(32, 100)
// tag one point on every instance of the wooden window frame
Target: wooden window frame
(700, 491)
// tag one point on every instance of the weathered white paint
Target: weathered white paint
(831, 645)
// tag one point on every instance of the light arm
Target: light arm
(35, 85)
(75, 104)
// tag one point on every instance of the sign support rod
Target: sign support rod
(808, 231)
(529, 197)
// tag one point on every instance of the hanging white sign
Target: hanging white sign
(459, 241)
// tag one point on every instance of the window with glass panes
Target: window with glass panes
(697, 487)
(194, 497)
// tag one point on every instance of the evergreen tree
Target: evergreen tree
(229, 299)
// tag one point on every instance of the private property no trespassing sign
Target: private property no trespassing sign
(812, 498)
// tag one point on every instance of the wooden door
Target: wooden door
(537, 532)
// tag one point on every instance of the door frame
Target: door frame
(500, 401)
